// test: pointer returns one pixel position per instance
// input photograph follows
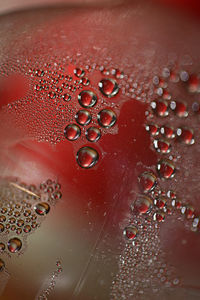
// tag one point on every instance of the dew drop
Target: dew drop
(194, 84)
(27, 228)
(79, 72)
(42, 208)
(159, 216)
(72, 132)
(162, 146)
(160, 202)
(179, 108)
(20, 223)
(108, 87)
(189, 211)
(83, 117)
(67, 97)
(106, 118)
(130, 232)
(1, 227)
(93, 134)
(147, 181)
(167, 131)
(2, 218)
(14, 245)
(85, 81)
(87, 99)
(177, 203)
(142, 205)
(166, 168)
(160, 107)
(186, 135)
(87, 157)
(2, 246)
(2, 265)
(153, 129)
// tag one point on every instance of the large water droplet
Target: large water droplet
(14, 245)
(166, 168)
(87, 157)
(147, 181)
(106, 118)
(108, 87)
(93, 134)
(42, 208)
(83, 117)
(142, 205)
(130, 232)
(87, 99)
(72, 132)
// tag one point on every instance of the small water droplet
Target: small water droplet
(166, 168)
(167, 131)
(153, 129)
(87, 99)
(2, 265)
(160, 202)
(106, 118)
(186, 135)
(79, 72)
(142, 205)
(2, 246)
(83, 117)
(67, 97)
(194, 84)
(1, 227)
(147, 181)
(72, 132)
(20, 223)
(130, 232)
(159, 216)
(87, 157)
(179, 108)
(93, 134)
(14, 245)
(162, 146)
(160, 107)
(27, 228)
(42, 208)
(108, 87)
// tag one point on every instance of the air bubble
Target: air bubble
(166, 168)
(87, 157)
(83, 117)
(162, 146)
(147, 181)
(14, 245)
(106, 118)
(130, 232)
(93, 134)
(87, 99)
(42, 208)
(142, 205)
(72, 132)
(108, 87)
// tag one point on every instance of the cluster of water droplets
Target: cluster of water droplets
(22, 210)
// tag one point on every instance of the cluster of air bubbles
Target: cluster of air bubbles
(54, 276)
(22, 209)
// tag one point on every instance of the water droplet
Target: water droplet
(83, 117)
(87, 99)
(85, 81)
(162, 146)
(72, 132)
(108, 87)
(20, 223)
(167, 131)
(177, 203)
(166, 168)
(186, 135)
(93, 134)
(160, 107)
(153, 129)
(27, 228)
(160, 202)
(194, 84)
(67, 97)
(179, 108)
(147, 181)
(2, 265)
(2, 218)
(87, 157)
(14, 245)
(159, 216)
(1, 227)
(106, 118)
(57, 195)
(11, 220)
(2, 246)
(188, 211)
(142, 205)
(79, 72)
(130, 232)
(42, 208)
